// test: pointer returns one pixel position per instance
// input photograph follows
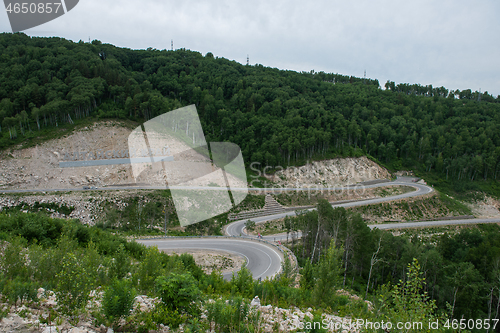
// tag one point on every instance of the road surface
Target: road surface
(264, 259)
(236, 228)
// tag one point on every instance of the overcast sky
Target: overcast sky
(444, 43)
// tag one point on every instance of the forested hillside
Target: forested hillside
(460, 265)
(278, 117)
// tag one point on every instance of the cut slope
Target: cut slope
(334, 172)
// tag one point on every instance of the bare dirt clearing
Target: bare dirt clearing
(487, 208)
(39, 167)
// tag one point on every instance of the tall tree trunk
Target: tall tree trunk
(454, 301)
(373, 261)
(498, 304)
(316, 241)
(345, 263)
(489, 306)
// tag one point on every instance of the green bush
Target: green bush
(233, 315)
(32, 227)
(41, 229)
(179, 292)
(18, 290)
(214, 283)
(120, 264)
(118, 299)
(190, 265)
(73, 283)
(250, 225)
(13, 260)
(242, 283)
(163, 314)
(150, 268)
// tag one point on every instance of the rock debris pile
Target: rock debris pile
(334, 172)
(35, 317)
(87, 206)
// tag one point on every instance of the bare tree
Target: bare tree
(374, 260)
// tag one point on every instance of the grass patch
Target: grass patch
(269, 228)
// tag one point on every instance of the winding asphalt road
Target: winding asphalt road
(237, 228)
(263, 257)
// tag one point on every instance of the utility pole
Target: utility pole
(171, 44)
(248, 60)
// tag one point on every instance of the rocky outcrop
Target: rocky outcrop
(36, 318)
(88, 206)
(38, 167)
(330, 173)
(287, 320)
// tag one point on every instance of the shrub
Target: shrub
(13, 261)
(214, 283)
(242, 283)
(250, 225)
(32, 227)
(120, 264)
(118, 299)
(190, 265)
(18, 290)
(233, 315)
(179, 292)
(163, 314)
(73, 283)
(150, 268)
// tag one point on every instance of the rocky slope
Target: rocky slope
(331, 173)
(88, 206)
(38, 167)
(35, 317)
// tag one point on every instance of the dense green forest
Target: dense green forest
(277, 117)
(461, 266)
